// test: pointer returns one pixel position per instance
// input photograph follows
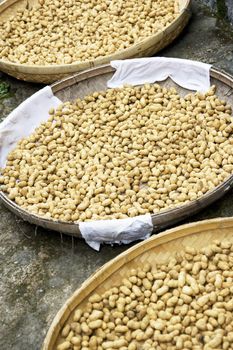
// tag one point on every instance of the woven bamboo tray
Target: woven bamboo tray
(95, 79)
(158, 249)
(50, 73)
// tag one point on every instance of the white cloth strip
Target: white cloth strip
(116, 230)
(24, 119)
(191, 75)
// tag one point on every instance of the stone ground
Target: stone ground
(224, 8)
(40, 269)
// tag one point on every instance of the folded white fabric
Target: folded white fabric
(191, 75)
(24, 119)
(116, 231)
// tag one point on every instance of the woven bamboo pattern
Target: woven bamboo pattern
(48, 74)
(158, 249)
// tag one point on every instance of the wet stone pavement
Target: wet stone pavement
(40, 269)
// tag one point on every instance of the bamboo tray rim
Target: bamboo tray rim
(158, 219)
(215, 73)
(56, 68)
(115, 264)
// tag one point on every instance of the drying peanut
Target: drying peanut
(67, 31)
(202, 322)
(110, 155)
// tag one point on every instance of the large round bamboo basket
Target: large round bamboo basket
(50, 73)
(96, 79)
(158, 249)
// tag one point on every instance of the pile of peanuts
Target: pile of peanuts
(121, 153)
(67, 31)
(185, 304)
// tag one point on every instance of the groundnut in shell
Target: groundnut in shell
(67, 31)
(110, 155)
(201, 321)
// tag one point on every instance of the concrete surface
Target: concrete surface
(40, 269)
(223, 8)
(229, 4)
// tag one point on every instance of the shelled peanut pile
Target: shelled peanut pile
(184, 304)
(66, 31)
(122, 152)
